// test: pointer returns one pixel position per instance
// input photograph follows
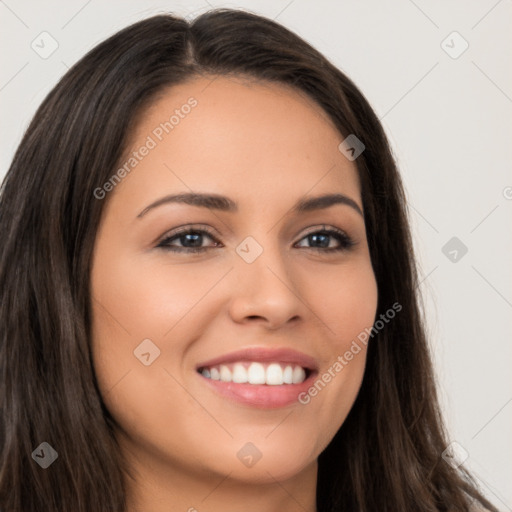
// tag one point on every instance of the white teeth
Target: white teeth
(256, 373)
(299, 375)
(240, 374)
(288, 375)
(273, 374)
(225, 373)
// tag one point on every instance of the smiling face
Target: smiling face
(179, 288)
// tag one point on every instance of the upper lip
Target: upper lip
(264, 355)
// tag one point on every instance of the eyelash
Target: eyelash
(345, 241)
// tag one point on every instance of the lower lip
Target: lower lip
(261, 396)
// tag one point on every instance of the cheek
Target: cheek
(147, 297)
(346, 301)
(139, 299)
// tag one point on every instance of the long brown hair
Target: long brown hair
(387, 454)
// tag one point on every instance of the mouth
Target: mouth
(260, 377)
(256, 373)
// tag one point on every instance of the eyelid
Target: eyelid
(188, 228)
(323, 227)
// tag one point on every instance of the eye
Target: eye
(322, 239)
(191, 240)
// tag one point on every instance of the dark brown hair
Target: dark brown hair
(387, 454)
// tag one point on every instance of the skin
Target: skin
(264, 146)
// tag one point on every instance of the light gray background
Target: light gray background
(449, 121)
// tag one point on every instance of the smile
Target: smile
(260, 377)
(271, 374)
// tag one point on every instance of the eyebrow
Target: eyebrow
(223, 203)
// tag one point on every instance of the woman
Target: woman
(209, 291)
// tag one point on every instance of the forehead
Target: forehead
(236, 136)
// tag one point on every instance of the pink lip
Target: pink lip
(264, 355)
(263, 396)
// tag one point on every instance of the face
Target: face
(209, 313)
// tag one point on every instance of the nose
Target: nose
(266, 292)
